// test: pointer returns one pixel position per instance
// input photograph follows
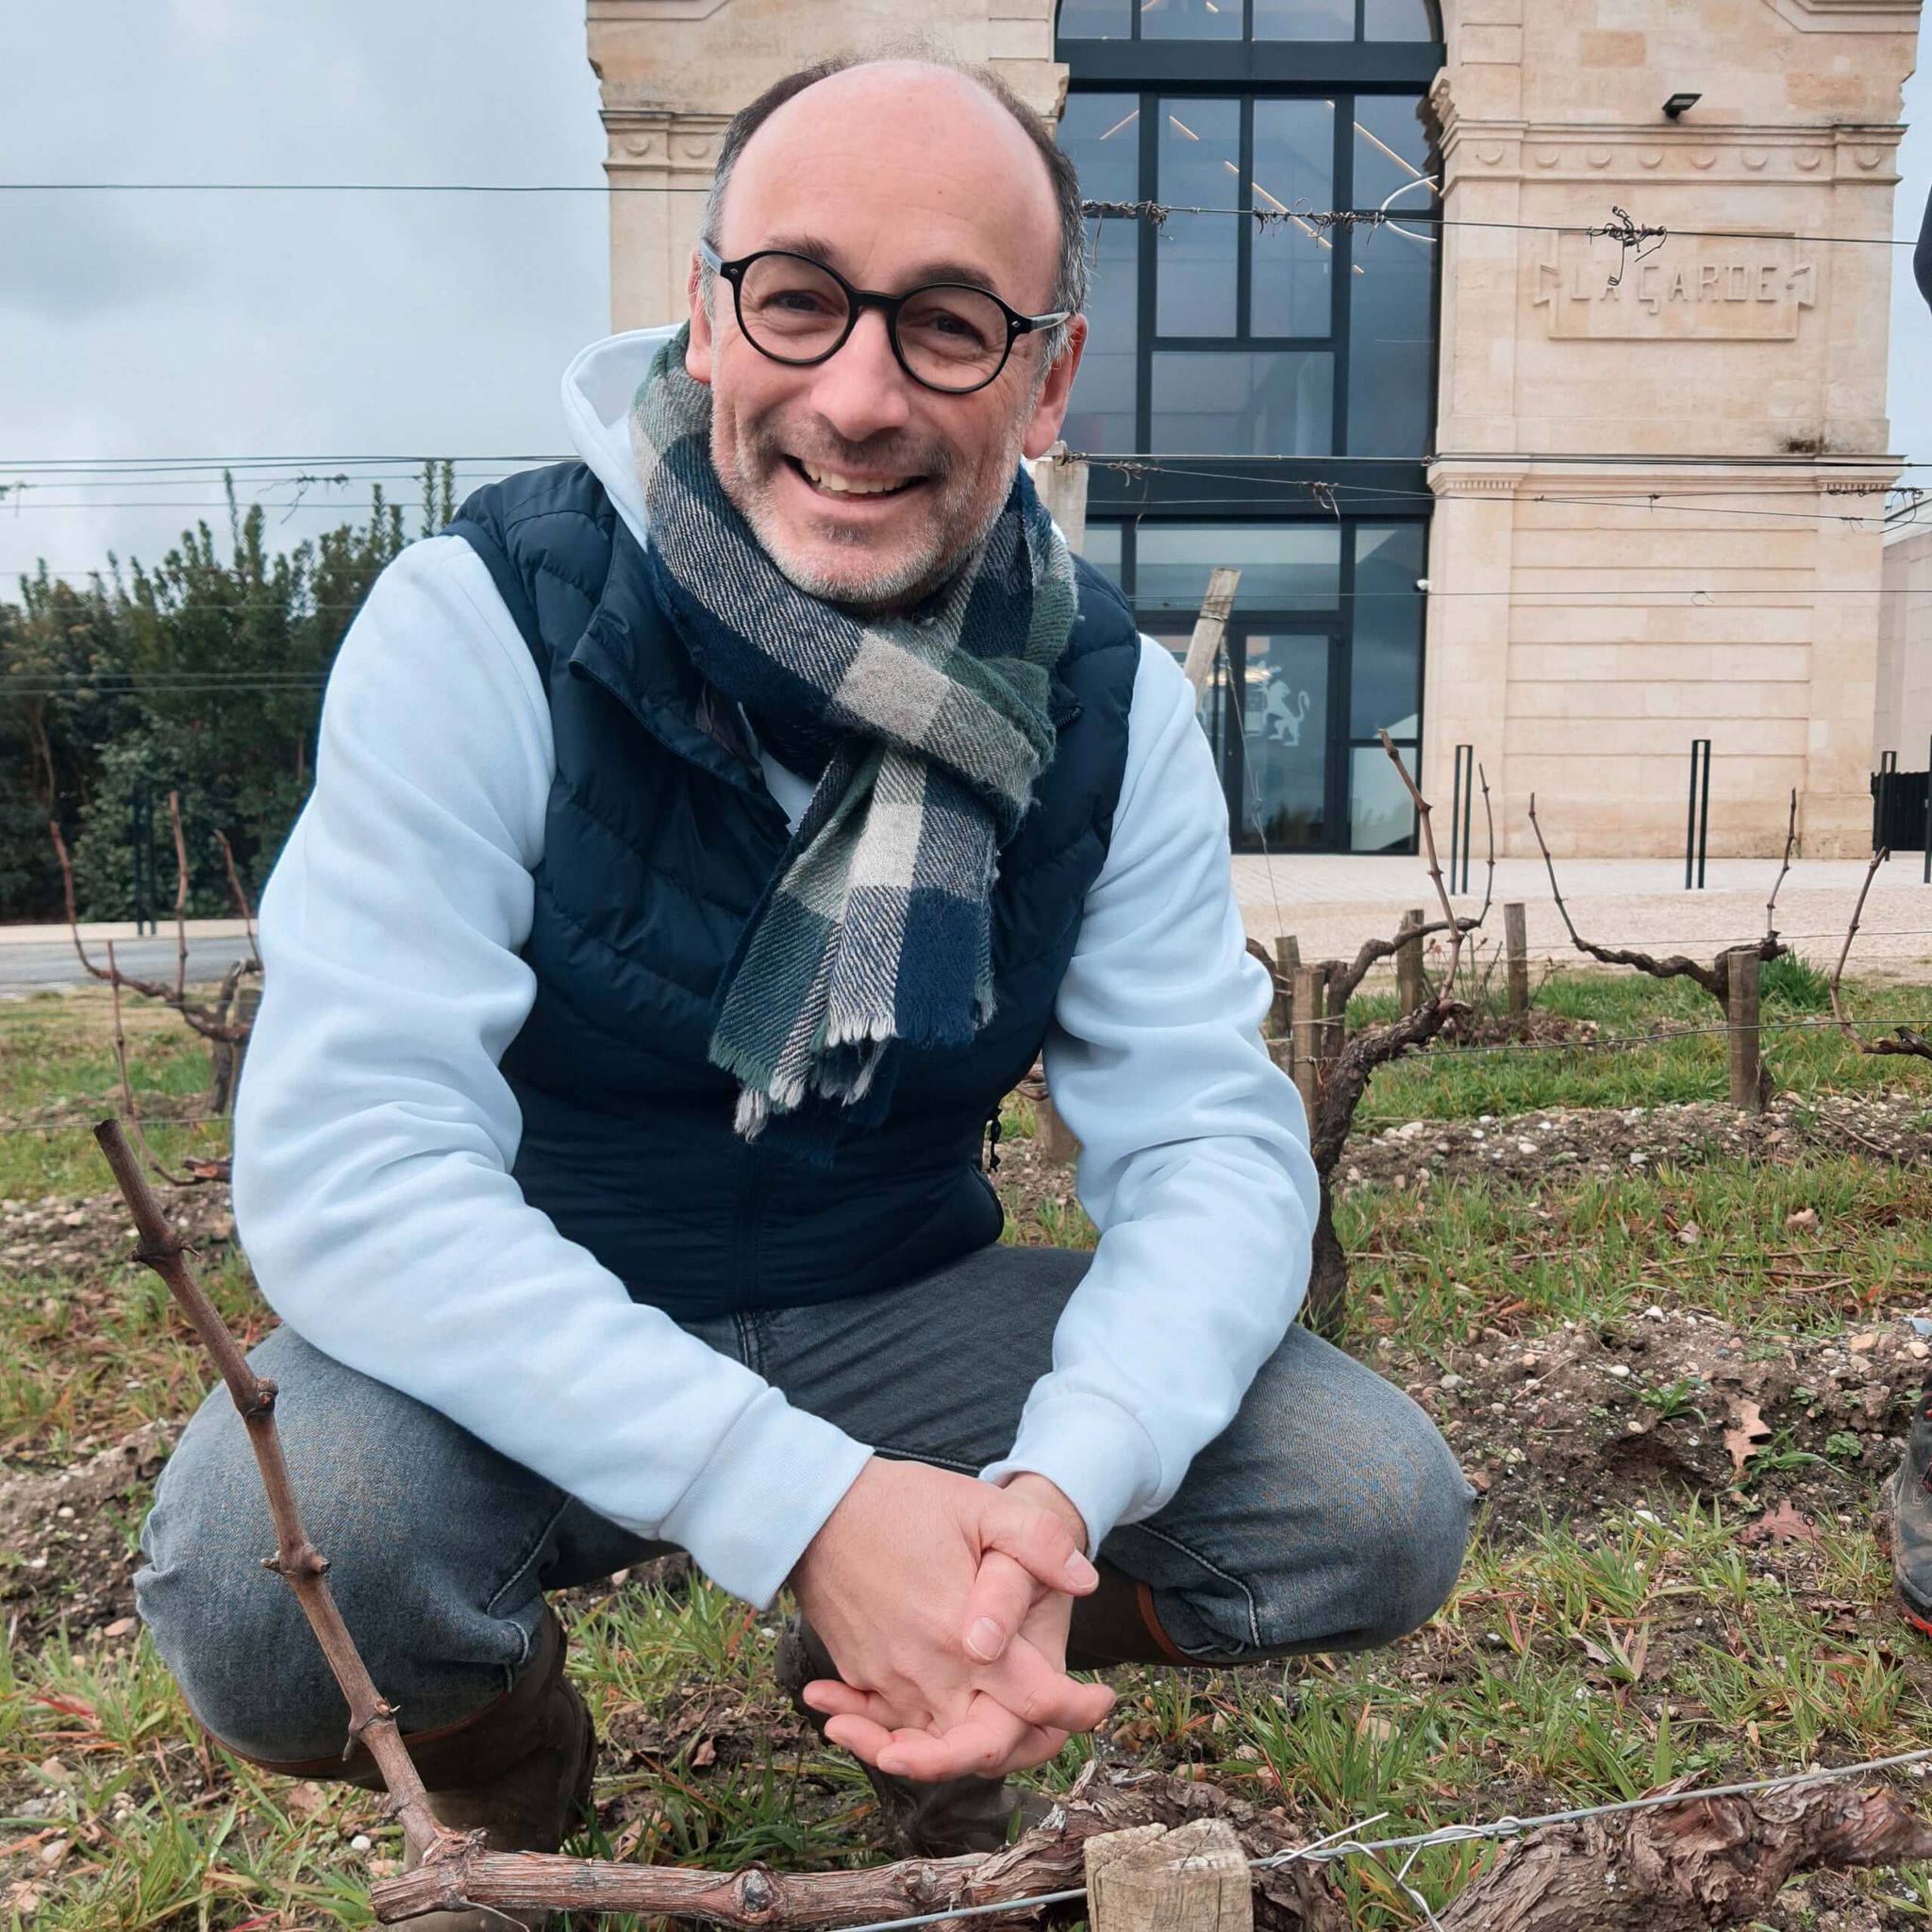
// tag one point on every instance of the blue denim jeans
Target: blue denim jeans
(1329, 1515)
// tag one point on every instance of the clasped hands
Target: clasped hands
(945, 1603)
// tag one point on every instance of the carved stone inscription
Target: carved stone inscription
(1693, 287)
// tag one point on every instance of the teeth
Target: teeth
(847, 486)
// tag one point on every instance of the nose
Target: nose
(862, 392)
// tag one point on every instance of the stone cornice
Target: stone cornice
(664, 142)
(1533, 151)
(1848, 16)
(644, 12)
(1518, 474)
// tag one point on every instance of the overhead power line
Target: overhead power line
(1155, 212)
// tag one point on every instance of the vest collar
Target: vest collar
(632, 649)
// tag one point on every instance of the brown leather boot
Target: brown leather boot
(931, 1820)
(519, 1771)
(1117, 1625)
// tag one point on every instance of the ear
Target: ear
(698, 353)
(1050, 405)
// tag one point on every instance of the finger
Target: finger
(1039, 1541)
(1039, 1747)
(1002, 1596)
(990, 1735)
(861, 1735)
(1038, 1693)
(832, 1698)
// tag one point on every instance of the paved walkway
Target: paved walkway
(1332, 904)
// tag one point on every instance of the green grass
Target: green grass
(1804, 1054)
(1574, 1664)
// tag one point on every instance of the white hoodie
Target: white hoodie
(374, 1134)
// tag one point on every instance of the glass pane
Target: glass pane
(1393, 163)
(1100, 414)
(1305, 20)
(1283, 566)
(1395, 20)
(1278, 771)
(1294, 167)
(1266, 402)
(1380, 817)
(1199, 167)
(1101, 133)
(1096, 20)
(1102, 549)
(1190, 20)
(1390, 343)
(1385, 642)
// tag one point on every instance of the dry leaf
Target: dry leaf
(1802, 1217)
(119, 1627)
(1782, 1524)
(1377, 1728)
(1751, 1429)
(704, 1754)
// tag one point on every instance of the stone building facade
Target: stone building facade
(1569, 500)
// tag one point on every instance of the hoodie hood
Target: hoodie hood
(598, 389)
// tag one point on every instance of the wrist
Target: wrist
(1044, 1490)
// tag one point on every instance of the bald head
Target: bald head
(950, 140)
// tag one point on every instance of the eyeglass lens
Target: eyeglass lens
(951, 337)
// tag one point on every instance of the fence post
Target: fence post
(1062, 488)
(1223, 582)
(1311, 985)
(1516, 942)
(1698, 817)
(1288, 958)
(1740, 1008)
(1409, 962)
(1055, 1139)
(1147, 1878)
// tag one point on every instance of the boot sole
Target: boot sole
(1909, 1607)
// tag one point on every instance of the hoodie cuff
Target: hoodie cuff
(1095, 1451)
(762, 1495)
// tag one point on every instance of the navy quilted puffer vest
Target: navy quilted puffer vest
(658, 835)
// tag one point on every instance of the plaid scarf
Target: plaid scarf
(926, 729)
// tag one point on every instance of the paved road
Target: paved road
(24, 966)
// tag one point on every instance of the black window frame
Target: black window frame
(1231, 489)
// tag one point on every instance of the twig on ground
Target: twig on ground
(1903, 1039)
(1777, 885)
(296, 1560)
(1715, 978)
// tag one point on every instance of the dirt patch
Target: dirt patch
(65, 1557)
(77, 1233)
(1561, 1142)
(1584, 1420)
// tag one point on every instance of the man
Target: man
(1907, 1499)
(706, 837)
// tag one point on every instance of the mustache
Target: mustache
(821, 445)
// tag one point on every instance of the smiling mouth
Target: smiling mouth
(837, 483)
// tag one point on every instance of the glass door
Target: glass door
(1271, 728)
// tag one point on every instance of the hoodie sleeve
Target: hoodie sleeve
(375, 1133)
(1193, 1150)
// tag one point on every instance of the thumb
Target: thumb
(996, 1606)
(1038, 1541)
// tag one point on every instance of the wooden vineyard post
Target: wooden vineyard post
(1741, 1010)
(1223, 581)
(1334, 1013)
(1516, 944)
(1062, 486)
(1409, 962)
(1288, 958)
(1311, 985)
(1195, 1878)
(1057, 1140)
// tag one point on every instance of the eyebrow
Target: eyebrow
(966, 272)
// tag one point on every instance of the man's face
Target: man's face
(863, 487)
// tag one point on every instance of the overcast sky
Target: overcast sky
(309, 325)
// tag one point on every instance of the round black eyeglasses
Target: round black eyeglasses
(947, 336)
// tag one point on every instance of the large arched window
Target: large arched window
(1272, 367)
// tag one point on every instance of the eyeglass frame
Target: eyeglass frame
(857, 300)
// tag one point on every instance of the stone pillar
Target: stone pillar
(1619, 399)
(671, 72)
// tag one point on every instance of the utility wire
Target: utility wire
(1155, 212)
